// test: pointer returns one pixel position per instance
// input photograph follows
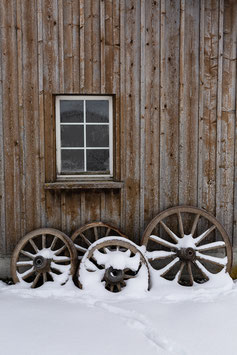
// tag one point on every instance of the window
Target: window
(84, 136)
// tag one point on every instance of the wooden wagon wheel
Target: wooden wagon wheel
(42, 255)
(116, 260)
(185, 247)
(91, 232)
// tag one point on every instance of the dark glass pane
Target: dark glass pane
(72, 136)
(72, 161)
(97, 111)
(97, 160)
(71, 111)
(97, 136)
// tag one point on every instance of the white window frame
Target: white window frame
(84, 98)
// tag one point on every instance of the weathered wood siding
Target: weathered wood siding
(172, 67)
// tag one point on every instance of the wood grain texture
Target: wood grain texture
(171, 68)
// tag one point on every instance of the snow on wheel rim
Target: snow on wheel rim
(45, 254)
(187, 258)
(114, 263)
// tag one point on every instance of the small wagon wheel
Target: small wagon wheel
(189, 245)
(117, 261)
(90, 233)
(42, 255)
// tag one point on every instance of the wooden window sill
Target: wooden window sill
(83, 185)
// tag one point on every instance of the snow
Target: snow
(168, 320)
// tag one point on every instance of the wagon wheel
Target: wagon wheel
(189, 245)
(91, 232)
(116, 261)
(43, 255)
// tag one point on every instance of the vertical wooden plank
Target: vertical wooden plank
(75, 46)
(67, 37)
(152, 108)
(41, 108)
(169, 103)
(102, 46)
(53, 83)
(31, 121)
(95, 44)
(2, 150)
(226, 118)
(88, 87)
(10, 124)
(189, 87)
(122, 110)
(109, 49)
(132, 111)
(60, 46)
(207, 105)
(82, 46)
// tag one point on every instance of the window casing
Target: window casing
(84, 137)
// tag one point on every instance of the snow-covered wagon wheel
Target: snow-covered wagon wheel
(114, 262)
(188, 245)
(90, 233)
(45, 254)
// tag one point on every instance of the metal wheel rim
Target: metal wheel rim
(42, 276)
(197, 212)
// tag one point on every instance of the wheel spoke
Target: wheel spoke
(126, 276)
(96, 233)
(211, 246)
(171, 234)
(194, 226)
(44, 277)
(26, 253)
(81, 249)
(190, 273)
(168, 267)
(159, 254)
(62, 259)
(24, 263)
(53, 242)
(181, 227)
(163, 242)
(204, 235)
(111, 288)
(212, 259)
(119, 287)
(85, 239)
(27, 273)
(34, 245)
(107, 232)
(43, 241)
(203, 270)
(59, 251)
(179, 274)
(34, 283)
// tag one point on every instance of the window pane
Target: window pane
(72, 136)
(97, 136)
(72, 160)
(97, 111)
(71, 111)
(97, 160)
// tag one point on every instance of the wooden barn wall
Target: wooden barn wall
(171, 65)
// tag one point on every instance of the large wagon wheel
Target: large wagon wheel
(90, 233)
(189, 245)
(116, 261)
(42, 255)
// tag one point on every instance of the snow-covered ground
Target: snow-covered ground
(169, 319)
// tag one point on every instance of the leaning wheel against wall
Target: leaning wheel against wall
(188, 245)
(43, 255)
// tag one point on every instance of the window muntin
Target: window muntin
(84, 136)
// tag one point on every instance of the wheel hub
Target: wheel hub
(41, 264)
(113, 276)
(187, 254)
